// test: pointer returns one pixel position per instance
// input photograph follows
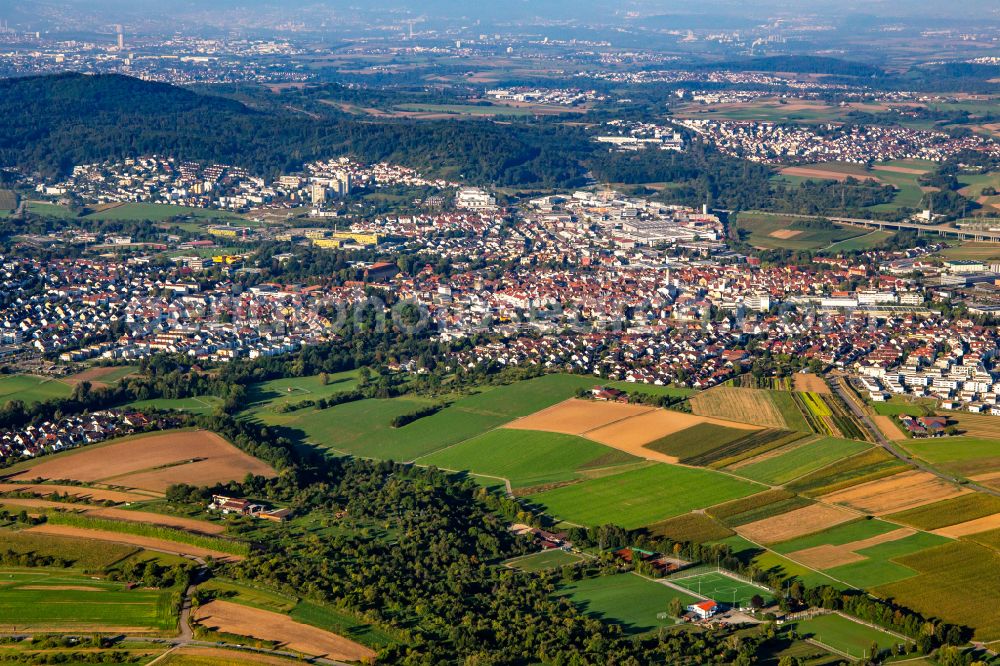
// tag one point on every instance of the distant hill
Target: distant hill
(52, 123)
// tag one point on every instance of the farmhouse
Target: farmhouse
(606, 393)
(704, 609)
(229, 505)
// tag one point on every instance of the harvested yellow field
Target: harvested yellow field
(888, 427)
(243, 620)
(828, 556)
(810, 383)
(652, 426)
(154, 462)
(976, 526)
(977, 425)
(81, 492)
(575, 417)
(898, 492)
(808, 519)
(743, 405)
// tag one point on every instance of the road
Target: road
(941, 229)
(851, 401)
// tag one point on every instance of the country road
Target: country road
(851, 401)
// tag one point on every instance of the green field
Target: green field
(846, 635)
(722, 588)
(801, 460)
(30, 389)
(61, 601)
(159, 212)
(870, 240)
(81, 553)
(772, 562)
(868, 465)
(693, 527)
(881, 566)
(363, 428)
(838, 535)
(527, 458)
(642, 496)
(268, 395)
(625, 599)
(543, 561)
(202, 404)
(957, 583)
(949, 512)
(953, 449)
(697, 440)
(51, 210)
(757, 507)
(758, 227)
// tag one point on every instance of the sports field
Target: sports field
(543, 561)
(635, 603)
(201, 404)
(846, 635)
(30, 389)
(38, 599)
(722, 588)
(641, 496)
(527, 458)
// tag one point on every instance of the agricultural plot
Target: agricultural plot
(906, 490)
(151, 462)
(974, 458)
(797, 461)
(692, 444)
(139, 541)
(159, 212)
(827, 415)
(957, 582)
(845, 635)
(242, 620)
(880, 565)
(82, 554)
(364, 428)
(773, 563)
(30, 389)
(795, 523)
(635, 603)
(754, 406)
(642, 496)
(752, 447)
(217, 656)
(543, 561)
(977, 425)
(757, 507)
(722, 588)
(957, 511)
(871, 464)
(74, 493)
(527, 458)
(43, 600)
(8, 201)
(777, 232)
(693, 527)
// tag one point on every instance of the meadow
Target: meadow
(693, 527)
(272, 394)
(846, 635)
(83, 554)
(642, 496)
(8, 200)
(801, 460)
(30, 389)
(527, 457)
(881, 565)
(873, 463)
(625, 599)
(63, 601)
(364, 428)
(202, 404)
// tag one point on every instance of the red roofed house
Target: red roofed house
(704, 609)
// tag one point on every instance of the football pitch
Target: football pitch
(722, 588)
